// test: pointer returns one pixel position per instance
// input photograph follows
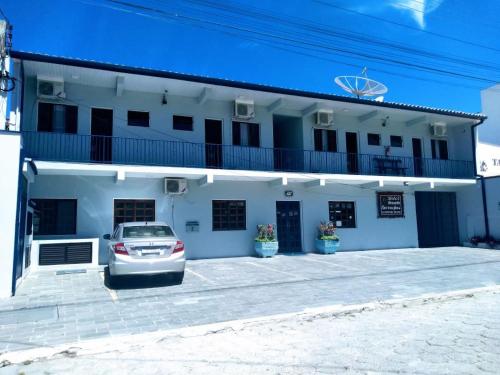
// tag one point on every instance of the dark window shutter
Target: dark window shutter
(443, 150)
(332, 140)
(71, 119)
(45, 117)
(236, 134)
(433, 148)
(318, 140)
(253, 135)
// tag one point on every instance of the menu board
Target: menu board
(390, 204)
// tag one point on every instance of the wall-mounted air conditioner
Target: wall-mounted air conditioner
(175, 186)
(244, 109)
(438, 129)
(324, 118)
(50, 88)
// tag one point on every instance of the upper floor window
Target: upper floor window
(183, 123)
(246, 134)
(57, 118)
(325, 140)
(439, 149)
(54, 216)
(373, 139)
(138, 118)
(396, 141)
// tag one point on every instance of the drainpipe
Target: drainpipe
(481, 178)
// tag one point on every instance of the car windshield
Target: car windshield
(141, 231)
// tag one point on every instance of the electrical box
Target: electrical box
(192, 226)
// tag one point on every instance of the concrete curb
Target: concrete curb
(107, 344)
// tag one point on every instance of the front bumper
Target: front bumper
(126, 265)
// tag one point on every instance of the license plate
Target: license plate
(150, 252)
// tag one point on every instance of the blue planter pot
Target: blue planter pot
(327, 246)
(266, 249)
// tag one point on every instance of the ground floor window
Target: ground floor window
(342, 214)
(229, 215)
(127, 210)
(54, 216)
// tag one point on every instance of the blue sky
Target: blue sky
(267, 42)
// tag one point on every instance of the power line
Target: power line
(3, 15)
(163, 14)
(329, 4)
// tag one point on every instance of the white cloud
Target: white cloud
(418, 9)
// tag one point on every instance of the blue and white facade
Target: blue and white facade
(100, 149)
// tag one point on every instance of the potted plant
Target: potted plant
(327, 242)
(266, 244)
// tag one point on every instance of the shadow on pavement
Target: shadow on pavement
(140, 281)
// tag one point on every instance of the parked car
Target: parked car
(145, 248)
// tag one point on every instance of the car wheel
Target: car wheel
(178, 277)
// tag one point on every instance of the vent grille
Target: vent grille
(65, 253)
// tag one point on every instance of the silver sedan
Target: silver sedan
(145, 248)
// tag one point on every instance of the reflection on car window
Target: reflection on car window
(147, 231)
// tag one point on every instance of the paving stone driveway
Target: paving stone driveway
(51, 309)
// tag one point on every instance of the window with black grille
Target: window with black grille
(54, 216)
(128, 210)
(138, 118)
(342, 214)
(57, 118)
(228, 215)
(182, 123)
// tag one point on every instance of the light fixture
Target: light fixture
(385, 121)
(164, 99)
(406, 183)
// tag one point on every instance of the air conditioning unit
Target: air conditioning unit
(438, 129)
(324, 118)
(244, 109)
(50, 88)
(175, 186)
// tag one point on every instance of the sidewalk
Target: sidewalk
(449, 334)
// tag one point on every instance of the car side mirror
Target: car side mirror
(107, 236)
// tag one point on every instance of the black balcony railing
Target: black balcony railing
(116, 150)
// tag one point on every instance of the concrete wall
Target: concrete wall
(87, 97)
(489, 131)
(10, 144)
(493, 203)
(95, 212)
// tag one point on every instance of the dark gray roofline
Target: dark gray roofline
(234, 84)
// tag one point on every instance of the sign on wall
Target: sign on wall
(390, 204)
(488, 159)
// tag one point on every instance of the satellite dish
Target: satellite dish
(361, 85)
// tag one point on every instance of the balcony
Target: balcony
(131, 151)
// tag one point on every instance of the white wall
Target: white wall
(9, 167)
(493, 203)
(95, 212)
(489, 131)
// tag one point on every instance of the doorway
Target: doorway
(101, 129)
(437, 220)
(288, 143)
(213, 143)
(288, 226)
(351, 142)
(418, 168)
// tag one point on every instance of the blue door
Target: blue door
(288, 226)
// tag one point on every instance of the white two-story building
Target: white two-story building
(103, 144)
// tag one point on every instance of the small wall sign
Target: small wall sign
(390, 204)
(288, 193)
(192, 226)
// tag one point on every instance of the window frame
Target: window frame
(379, 142)
(229, 228)
(436, 149)
(52, 125)
(233, 135)
(186, 116)
(138, 111)
(37, 214)
(324, 132)
(354, 223)
(397, 146)
(135, 200)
